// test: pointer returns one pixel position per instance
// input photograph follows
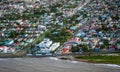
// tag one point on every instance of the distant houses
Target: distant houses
(95, 25)
(68, 45)
(5, 49)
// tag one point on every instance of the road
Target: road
(51, 64)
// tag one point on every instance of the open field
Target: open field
(108, 59)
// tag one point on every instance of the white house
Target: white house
(41, 27)
(54, 46)
(45, 43)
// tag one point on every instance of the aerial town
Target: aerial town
(59, 26)
(59, 35)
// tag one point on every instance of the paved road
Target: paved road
(51, 64)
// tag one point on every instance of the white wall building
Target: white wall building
(54, 46)
(45, 43)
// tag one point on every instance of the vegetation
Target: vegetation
(60, 36)
(101, 59)
(13, 34)
(13, 55)
(80, 47)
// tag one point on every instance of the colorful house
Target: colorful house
(65, 50)
(74, 41)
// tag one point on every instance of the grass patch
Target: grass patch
(100, 59)
(13, 55)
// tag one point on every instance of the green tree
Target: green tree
(74, 49)
(77, 48)
(13, 34)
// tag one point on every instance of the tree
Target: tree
(13, 34)
(102, 46)
(84, 47)
(74, 49)
(106, 42)
(0, 0)
(104, 28)
(77, 48)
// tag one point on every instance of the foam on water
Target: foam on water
(54, 58)
(74, 62)
(110, 65)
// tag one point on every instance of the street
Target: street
(52, 64)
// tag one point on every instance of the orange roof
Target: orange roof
(65, 50)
